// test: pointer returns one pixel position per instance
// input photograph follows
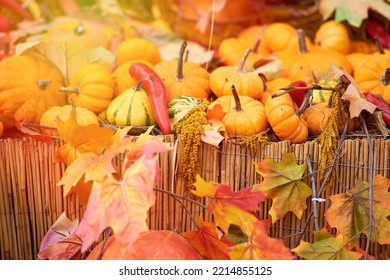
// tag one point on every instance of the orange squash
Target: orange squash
(333, 35)
(286, 123)
(244, 115)
(247, 83)
(299, 65)
(29, 85)
(183, 78)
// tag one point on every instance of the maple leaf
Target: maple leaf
(66, 249)
(259, 245)
(216, 113)
(61, 228)
(120, 204)
(352, 11)
(68, 55)
(349, 212)
(228, 207)
(208, 241)
(282, 183)
(330, 248)
(211, 134)
(14, 127)
(353, 94)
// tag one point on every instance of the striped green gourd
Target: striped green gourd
(131, 108)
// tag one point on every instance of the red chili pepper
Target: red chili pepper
(374, 99)
(157, 94)
(298, 95)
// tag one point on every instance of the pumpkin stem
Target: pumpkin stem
(241, 65)
(379, 45)
(302, 41)
(179, 74)
(385, 78)
(236, 99)
(256, 46)
(138, 84)
(79, 29)
(43, 84)
(264, 79)
(70, 89)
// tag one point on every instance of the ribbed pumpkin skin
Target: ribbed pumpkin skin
(246, 83)
(195, 82)
(138, 48)
(369, 73)
(333, 35)
(96, 87)
(285, 123)
(132, 107)
(249, 121)
(20, 94)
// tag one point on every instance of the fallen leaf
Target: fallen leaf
(69, 248)
(331, 248)
(349, 212)
(208, 241)
(211, 135)
(283, 184)
(215, 113)
(259, 245)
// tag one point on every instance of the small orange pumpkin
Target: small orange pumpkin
(247, 83)
(137, 48)
(183, 78)
(273, 86)
(244, 115)
(286, 123)
(333, 35)
(299, 65)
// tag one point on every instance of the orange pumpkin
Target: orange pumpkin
(317, 117)
(333, 35)
(150, 245)
(299, 65)
(183, 78)
(361, 46)
(373, 74)
(29, 85)
(244, 115)
(284, 121)
(279, 36)
(273, 86)
(1, 129)
(137, 48)
(247, 83)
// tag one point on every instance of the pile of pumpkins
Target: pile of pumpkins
(32, 88)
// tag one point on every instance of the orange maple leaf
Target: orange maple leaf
(330, 248)
(282, 182)
(227, 206)
(259, 245)
(121, 204)
(350, 211)
(208, 241)
(216, 113)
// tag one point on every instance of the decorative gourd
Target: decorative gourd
(286, 123)
(244, 115)
(132, 107)
(86, 33)
(138, 48)
(323, 95)
(317, 117)
(247, 83)
(29, 85)
(273, 86)
(333, 35)
(183, 78)
(91, 87)
(373, 74)
(280, 36)
(231, 51)
(122, 79)
(85, 117)
(299, 65)
(179, 106)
